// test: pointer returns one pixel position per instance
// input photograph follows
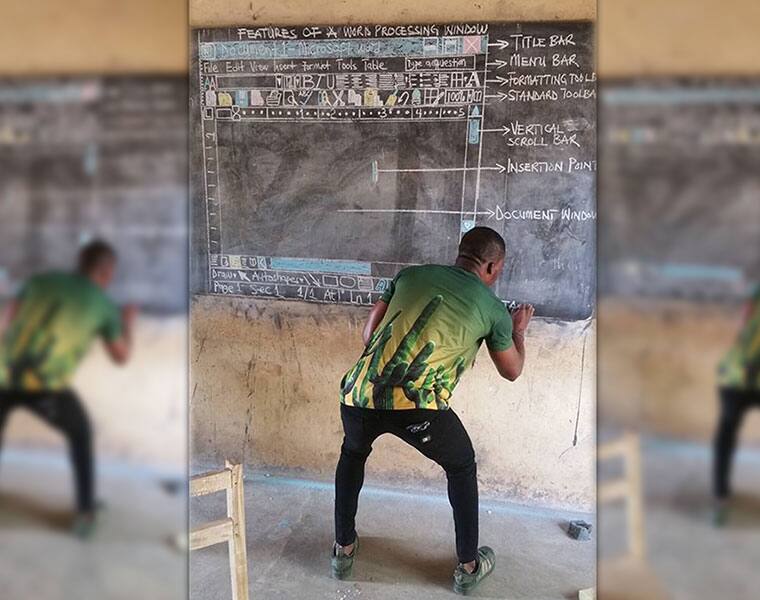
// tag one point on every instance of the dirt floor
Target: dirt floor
(407, 546)
(692, 558)
(129, 557)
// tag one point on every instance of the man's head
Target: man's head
(97, 261)
(482, 251)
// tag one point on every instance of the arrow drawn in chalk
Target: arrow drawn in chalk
(503, 130)
(497, 167)
(488, 213)
(376, 170)
(499, 64)
(499, 79)
(500, 95)
(501, 44)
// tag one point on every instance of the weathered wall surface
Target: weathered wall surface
(138, 411)
(636, 37)
(212, 13)
(91, 37)
(264, 379)
(657, 365)
(677, 37)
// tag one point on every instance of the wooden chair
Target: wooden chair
(628, 577)
(230, 529)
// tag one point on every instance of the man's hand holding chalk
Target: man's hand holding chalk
(521, 316)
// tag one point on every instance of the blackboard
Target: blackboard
(96, 157)
(325, 159)
(679, 187)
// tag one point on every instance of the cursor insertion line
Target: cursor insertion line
(376, 170)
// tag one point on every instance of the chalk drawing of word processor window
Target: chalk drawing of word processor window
(318, 80)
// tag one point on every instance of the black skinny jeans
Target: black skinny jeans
(439, 435)
(734, 404)
(63, 411)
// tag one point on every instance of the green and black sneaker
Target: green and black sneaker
(342, 563)
(86, 522)
(465, 582)
(720, 512)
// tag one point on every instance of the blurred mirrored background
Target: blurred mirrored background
(679, 262)
(93, 145)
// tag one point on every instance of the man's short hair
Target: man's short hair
(95, 253)
(482, 245)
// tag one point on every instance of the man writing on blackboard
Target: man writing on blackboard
(48, 328)
(419, 338)
(739, 387)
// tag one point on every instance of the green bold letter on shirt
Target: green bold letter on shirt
(437, 318)
(740, 368)
(58, 317)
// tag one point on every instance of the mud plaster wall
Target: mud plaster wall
(636, 37)
(264, 377)
(216, 13)
(657, 364)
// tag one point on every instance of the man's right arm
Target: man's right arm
(120, 349)
(379, 309)
(373, 320)
(7, 314)
(509, 363)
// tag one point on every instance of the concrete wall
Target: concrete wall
(264, 390)
(93, 37)
(213, 13)
(678, 37)
(138, 411)
(657, 365)
(636, 37)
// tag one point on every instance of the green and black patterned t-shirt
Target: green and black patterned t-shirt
(740, 368)
(437, 318)
(59, 315)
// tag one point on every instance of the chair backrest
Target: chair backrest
(627, 488)
(230, 529)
